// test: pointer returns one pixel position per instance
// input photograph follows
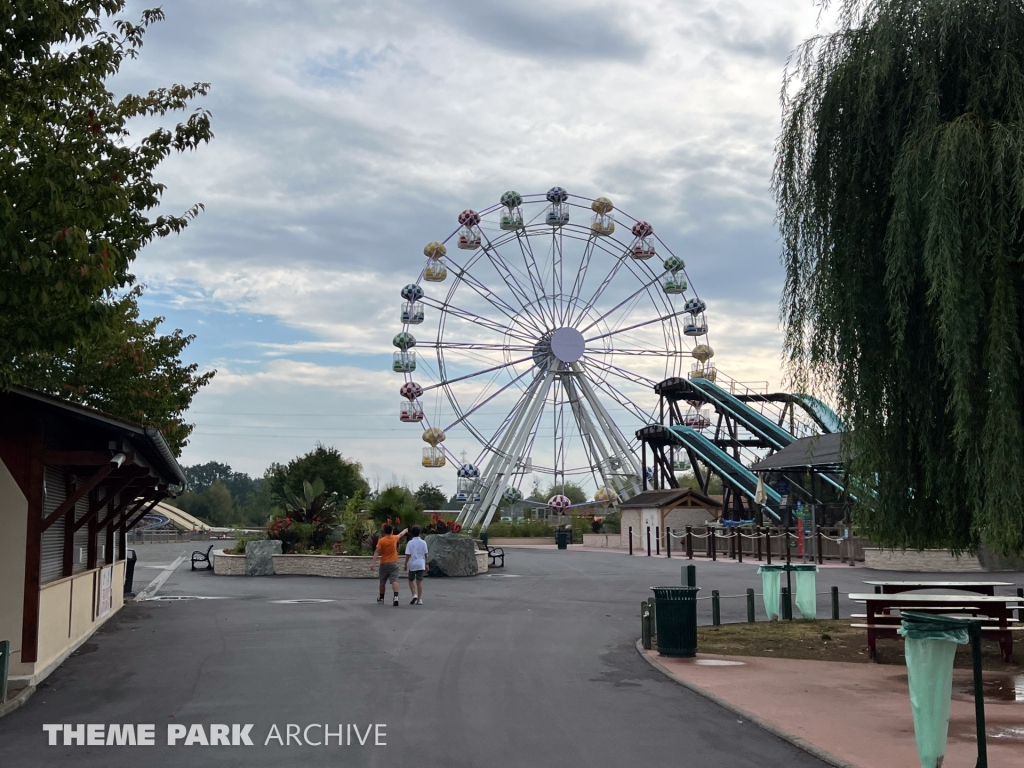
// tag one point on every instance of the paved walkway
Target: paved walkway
(858, 713)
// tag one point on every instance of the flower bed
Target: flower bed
(225, 564)
(334, 566)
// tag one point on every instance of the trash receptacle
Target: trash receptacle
(771, 584)
(930, 648)
(675, 618)
(806, 589)
(562, 538)
(129, 571)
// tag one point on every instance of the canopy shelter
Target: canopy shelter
(73, 482)
(810, 468)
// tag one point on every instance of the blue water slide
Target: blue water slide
(724, 465)
(756, 423)
(820, 412)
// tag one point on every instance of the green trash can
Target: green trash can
(771, 585)
(676, 620)
(562, 538)
(930, 646)
(806, 589)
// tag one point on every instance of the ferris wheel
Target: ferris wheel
(551, 317)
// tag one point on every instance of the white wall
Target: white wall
(13, 523)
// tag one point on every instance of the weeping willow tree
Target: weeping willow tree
(899, 180)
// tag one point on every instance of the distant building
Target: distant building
(73, 482)
(673, 509)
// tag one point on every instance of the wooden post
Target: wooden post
(750, 605)
(631, 539)
(668, 543)
(711, 538)
(689, 543)
(817, 535)
(768, 544)
(648, 541)
(657, 540)
(739, 546)
(757, 543)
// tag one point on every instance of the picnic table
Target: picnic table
(981, 587)
(996, 612)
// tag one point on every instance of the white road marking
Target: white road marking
(154, 586)
(302, 600)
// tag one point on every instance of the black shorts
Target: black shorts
(416, 575)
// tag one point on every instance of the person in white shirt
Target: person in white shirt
(416, 564)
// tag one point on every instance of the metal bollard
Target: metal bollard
(835, 603)
(757, 543)
(739, 547)
(668, 543)
(1020, 611)
(691, 576)
(5, 657)
(716, 608)
(648, 541)
(768, 544)
(645, 625)
(818, 535)
(711, 538)
(689, 543)
(787, 605)
(750, 605)
(657, 540)
(631, 539)
(653, 608)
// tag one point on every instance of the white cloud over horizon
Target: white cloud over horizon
(349, 134)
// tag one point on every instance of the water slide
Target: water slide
(720, 462)
(760, 425)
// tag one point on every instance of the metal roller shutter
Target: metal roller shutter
(79, 551)
(51, 566)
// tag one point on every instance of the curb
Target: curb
(796, 741)
(20, 698)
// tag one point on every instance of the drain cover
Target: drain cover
(302, 600)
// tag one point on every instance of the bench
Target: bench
(202, 557)
(997, 612)
(896, 587)
(496, 554)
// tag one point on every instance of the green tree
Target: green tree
(213, 505)
(339, 475)
(124, 367)
(689, 480)
(900, 187)
(399, 503)
(75, 194)
(431, 496)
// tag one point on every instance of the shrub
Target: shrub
(520, 529)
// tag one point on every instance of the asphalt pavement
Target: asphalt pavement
(530, 666)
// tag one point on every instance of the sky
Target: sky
(348, 134)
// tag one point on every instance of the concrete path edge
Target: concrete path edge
(17, 700)
(796, 741)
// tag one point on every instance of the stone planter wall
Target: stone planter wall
(509, 541)
(228, 565)
(334, 566)
(930, 560)
(603, 540)
(482, 561)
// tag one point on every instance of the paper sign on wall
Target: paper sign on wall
(106, 597)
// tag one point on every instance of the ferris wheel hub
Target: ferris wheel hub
(567, 345)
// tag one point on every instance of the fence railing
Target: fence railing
(759, 543)
(157, 537)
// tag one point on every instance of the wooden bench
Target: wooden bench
(496, 554)
(201, 557)
(997, 612)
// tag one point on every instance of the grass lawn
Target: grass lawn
(827, 641)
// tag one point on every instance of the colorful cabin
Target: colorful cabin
(512, 495)
(468, 471)
(703, 371)
(674, 284)
(411, 390)
(412, 292)
(694, 306)
(412, 313)
(674, 264)
(559, 502)
(643, 247)
(404, 362)
(433, 457)
(434, 250)
(469, 235)
(603, 223)
(404, 340)
(411, 411)
(703, 352)
(604, 495)
(558, 213)
(461, 497)
(511, 220)
(695, 419)
(695, 326)
(435, 272)
(435, 436)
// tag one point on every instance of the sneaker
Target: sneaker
(419, 601)
(413, 601)
(396, 600)
(381, 599)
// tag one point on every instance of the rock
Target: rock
(449, 554)
(258, 557)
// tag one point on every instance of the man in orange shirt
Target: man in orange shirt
(387, 553)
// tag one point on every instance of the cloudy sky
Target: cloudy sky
(348, 134)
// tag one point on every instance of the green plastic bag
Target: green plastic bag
(806, 590)
(770, 586)
(931, 643)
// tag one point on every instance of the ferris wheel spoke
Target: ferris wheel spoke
(492, 298)
(638, 292)
(630, 376)
(478, 345)
(505, 272)
(445, 382)
(623, 400)
(465, 314)
(659, 319)
(482, 403)
(533, 270)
